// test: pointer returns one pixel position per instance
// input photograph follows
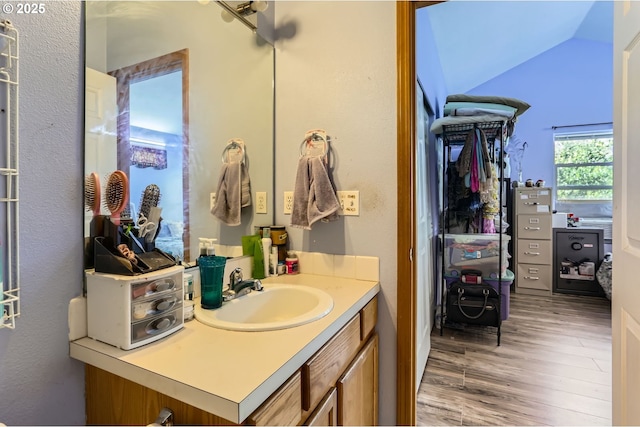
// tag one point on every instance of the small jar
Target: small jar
(291, 264)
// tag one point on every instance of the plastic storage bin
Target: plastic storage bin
(477, 252)
(506, 280)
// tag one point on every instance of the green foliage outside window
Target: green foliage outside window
(584, 167)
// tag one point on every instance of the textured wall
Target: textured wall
(336, 69)
(40, 383)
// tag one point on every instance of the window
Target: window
(584, 167)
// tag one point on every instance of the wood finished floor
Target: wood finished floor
(553, 367)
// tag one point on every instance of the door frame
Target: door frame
(406, 397)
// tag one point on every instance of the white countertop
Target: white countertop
(230, 373)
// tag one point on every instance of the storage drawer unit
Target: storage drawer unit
(578, 253)
(533, 240)
(130, 311)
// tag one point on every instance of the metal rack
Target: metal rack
(9, 258)
(456, 135)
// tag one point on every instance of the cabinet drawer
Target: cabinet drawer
(534, 226)
(283, 408)
(535, 251)
(534, 276)
(323, 369)
(326, 414)
(533, 200)
(368, 318)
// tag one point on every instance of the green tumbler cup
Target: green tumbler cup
(211, 276)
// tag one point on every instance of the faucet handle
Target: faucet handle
(235, 276)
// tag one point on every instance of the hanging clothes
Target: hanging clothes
(474, 163)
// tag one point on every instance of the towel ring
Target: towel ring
(315, 145)
(232, 144)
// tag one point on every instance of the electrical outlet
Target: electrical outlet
(261, 202)
(349, 202)
(212, 201)
(288, 202)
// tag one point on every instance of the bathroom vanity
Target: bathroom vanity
(321, 373)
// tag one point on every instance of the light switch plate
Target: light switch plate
(213, 201)
(349, 202)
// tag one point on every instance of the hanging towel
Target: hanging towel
(233, 193)
(314, 197)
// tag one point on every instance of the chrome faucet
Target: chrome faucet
(239, 287)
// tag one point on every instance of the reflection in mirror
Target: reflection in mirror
(168, 84)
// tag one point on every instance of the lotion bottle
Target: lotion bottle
(266, 249)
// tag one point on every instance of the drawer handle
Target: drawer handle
(532, 228)
(166, 304)
(532, 253)
(160, 325)
(531, 278)
(530, 203)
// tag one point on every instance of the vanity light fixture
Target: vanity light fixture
(251, 7)
(242, 11)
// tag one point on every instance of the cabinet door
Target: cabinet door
(358, 388)
(113, 400)
(283, 408)
(326, 414)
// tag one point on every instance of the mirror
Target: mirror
(169, 84)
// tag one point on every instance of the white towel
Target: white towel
(314, 197)
(233, 193)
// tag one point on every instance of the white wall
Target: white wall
(39, 383)
(336, 70)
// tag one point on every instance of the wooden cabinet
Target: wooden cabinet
(113, 400)
(283, 408)
(358, 389)
(337, 386)
(533, 240)
(326, 414)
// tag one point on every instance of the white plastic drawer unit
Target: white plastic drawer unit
(130, 311)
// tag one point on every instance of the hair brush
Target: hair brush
(116, 194)
(149, 199)
(92, 193)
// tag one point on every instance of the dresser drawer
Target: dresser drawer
(532, 200)
(534, 251)
(534, 226)
(325, 367)
(534, 276)
(283, 408)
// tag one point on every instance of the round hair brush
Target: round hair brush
(116, 194)
(92, 193)
(149, 199)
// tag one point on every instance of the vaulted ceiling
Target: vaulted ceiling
(479, 40)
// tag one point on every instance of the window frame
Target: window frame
(607, 133)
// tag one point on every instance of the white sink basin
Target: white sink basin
(275, 307)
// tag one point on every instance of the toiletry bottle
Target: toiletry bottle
(273, 261)
(266, 249)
